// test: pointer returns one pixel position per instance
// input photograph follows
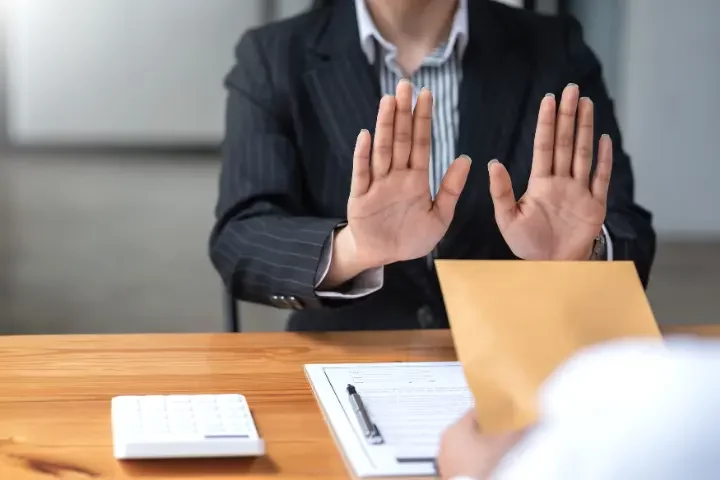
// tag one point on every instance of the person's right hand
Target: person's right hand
(467, 453)
(391, 214)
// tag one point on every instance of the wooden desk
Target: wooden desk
(55, 397)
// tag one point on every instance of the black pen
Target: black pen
(372, 434)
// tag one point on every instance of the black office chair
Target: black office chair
(231, 311)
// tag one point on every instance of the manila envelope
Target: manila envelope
(514, 322)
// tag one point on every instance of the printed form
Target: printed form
(411, 404)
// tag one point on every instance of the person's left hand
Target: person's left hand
(562, 211)
(465, 452)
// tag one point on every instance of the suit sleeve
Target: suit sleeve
(629, 225)
(265, 245)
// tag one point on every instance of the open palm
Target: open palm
(562, 210)
(391, 214)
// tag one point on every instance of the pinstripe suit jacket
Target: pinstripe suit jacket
(298, 95)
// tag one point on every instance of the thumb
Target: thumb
(469, 419)
(502, 194)
(450, 189)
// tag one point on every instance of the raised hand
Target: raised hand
(562, 210)
(391, 214)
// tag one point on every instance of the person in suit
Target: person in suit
(624, 410)
(322, 213)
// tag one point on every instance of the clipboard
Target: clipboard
(397, 395)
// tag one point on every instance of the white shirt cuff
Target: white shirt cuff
(369, 281)
(608, 244)
(372, 280)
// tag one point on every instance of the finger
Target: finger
(422, 131)
(544, 138)
(360, 182)
(383, 141)
(466, 423)
(601, 180)
(497, 446)
(582, 158)
(403, 125)
(450, 189)
(565, 131)
(469, 419)
(502, 194)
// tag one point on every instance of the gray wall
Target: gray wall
(122, 71)
(671, 85)
(603, 28)
(287, 8)
(84, 81)
(3, 72)
(662, 63)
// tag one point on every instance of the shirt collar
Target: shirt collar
(369, 33)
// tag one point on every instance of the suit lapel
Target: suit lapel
(494, 86)
(341, 83)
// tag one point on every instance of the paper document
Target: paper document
(410, 403)
(514, 322)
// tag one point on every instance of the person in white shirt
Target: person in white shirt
(628, 410)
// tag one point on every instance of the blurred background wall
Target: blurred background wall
(111, 112)
(662, 64)
(121, 72)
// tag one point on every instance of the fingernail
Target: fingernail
(572, 85)
(469, 160)
(491, 162)
(550, 95)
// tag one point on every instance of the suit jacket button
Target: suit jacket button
(284, 301)
(278, 301)
(295, 303)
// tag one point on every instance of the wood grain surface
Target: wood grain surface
(55, 396)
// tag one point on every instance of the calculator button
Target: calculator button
(206, 415)
(175, 412)
(203, 399)
(211, 426)
(156, 428)
(182, 428)
(157, 401)
(233, 414)
(229, 399)
(177, 399)
(237, 429)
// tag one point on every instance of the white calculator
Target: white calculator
(184, 426)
